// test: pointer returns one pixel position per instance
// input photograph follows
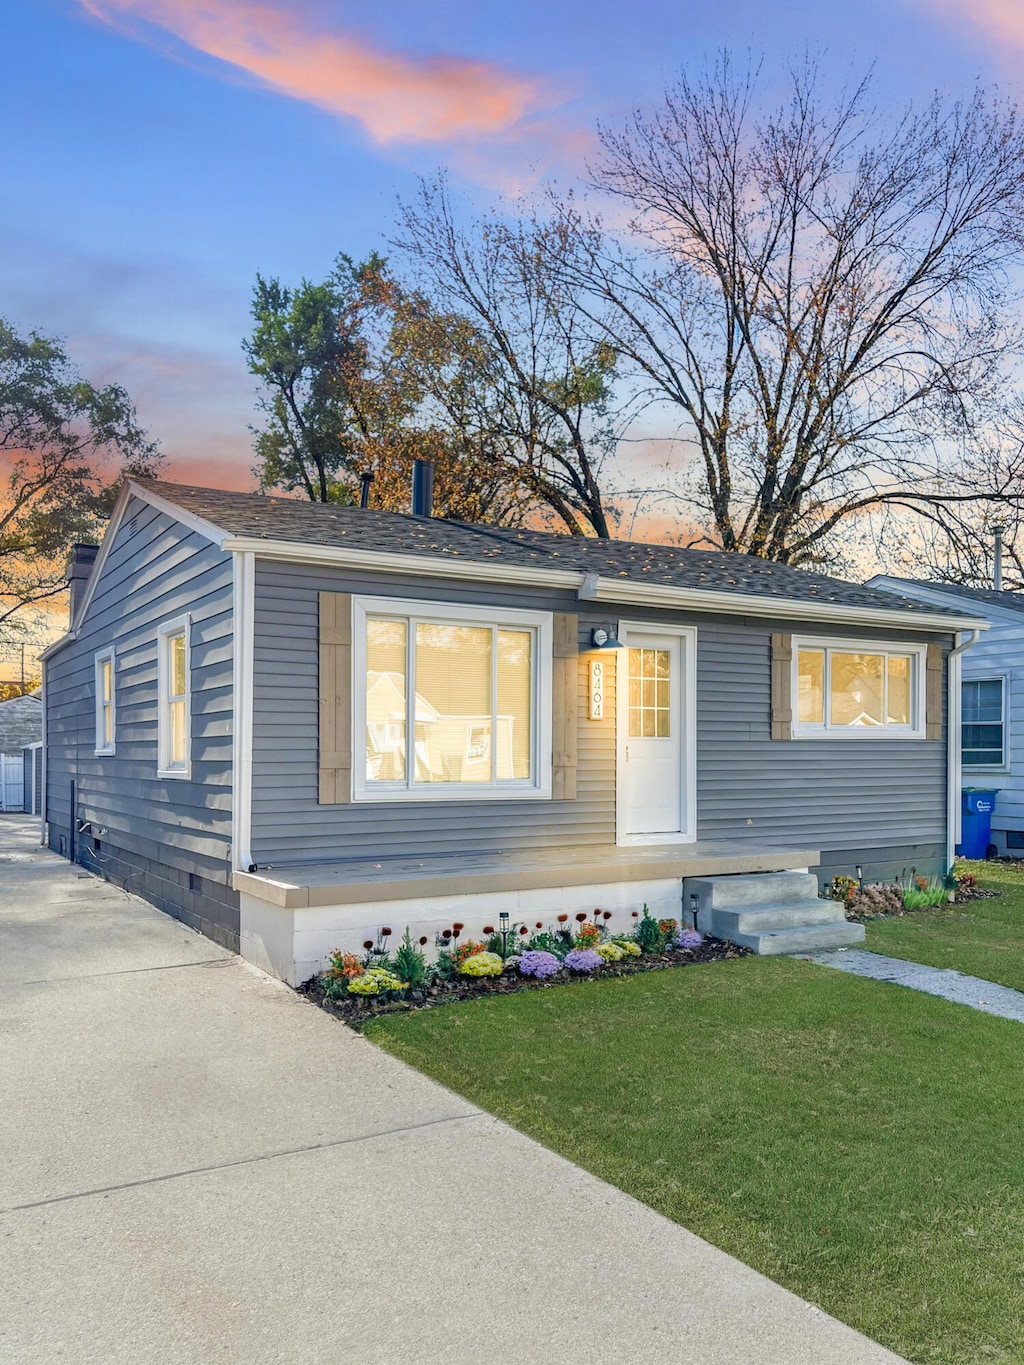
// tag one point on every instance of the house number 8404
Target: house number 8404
(597, 667)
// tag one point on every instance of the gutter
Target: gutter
(954, 765)
(42, 794)
(591, 587)
(243, 600)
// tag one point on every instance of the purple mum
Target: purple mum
(583, 960)
(689, 938)
(540, 965)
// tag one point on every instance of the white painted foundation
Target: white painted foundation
(294, 944)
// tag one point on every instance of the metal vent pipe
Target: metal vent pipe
(423, 488)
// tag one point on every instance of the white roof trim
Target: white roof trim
(129, 490)
(593, 587)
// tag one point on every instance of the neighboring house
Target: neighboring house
(991, 702)
(292, 724)
(21, 722)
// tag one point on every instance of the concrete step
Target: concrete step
(754, 889)
(762, 918)
(809, 938)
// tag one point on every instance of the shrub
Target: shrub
(376, 981)
(410, 964)
(344, 965)
(649, 934)
(844, 888)
(628, 947)
(539, 964)
(545, 942)
(583, 960)
(881, 898)
(482, 964)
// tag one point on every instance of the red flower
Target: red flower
(368, 944)
(458, 928)
(385, 933)
(636, 914)
(607, 914)
(581, 917)
(562, 918)
(423, 939)
(523, 929)
(447, 934)
(488, 928)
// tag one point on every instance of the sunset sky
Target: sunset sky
(160, 152)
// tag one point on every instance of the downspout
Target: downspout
(953, 761)
(243, 601)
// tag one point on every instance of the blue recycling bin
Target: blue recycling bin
(978, 804)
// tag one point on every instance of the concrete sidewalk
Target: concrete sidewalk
(198, 1167)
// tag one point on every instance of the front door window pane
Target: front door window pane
(650, 689)
(386, 692)
(857, 689)
(453, 703)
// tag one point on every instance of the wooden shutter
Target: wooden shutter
(782, 686)
(933, 694)
(335, 697)
(564, 705)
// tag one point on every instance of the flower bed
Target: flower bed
(383, 980)
(896, 898)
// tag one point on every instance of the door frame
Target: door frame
(686, 729)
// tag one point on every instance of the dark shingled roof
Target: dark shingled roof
(311, 523)
(1005, 597)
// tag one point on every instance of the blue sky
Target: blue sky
(160, 152)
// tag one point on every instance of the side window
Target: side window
(174, 674)
(982, 723)
(105, 702)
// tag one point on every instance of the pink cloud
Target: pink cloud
(999, 19)
(396, 97)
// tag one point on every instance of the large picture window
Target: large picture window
(173, 677)
(450, 701)
(983, 723)
(849, 688)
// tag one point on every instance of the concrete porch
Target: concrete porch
(347, 881)
(293, 917)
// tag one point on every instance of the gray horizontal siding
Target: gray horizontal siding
(159, 571)
(828, 795)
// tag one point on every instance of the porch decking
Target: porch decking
(360, 881)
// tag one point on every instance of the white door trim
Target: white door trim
(687, 730)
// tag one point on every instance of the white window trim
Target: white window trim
(686, 728)
(445, 613)
(919, 653)
(1003, 767)
(101, 657)
(164, 632)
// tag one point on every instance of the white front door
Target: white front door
(651, 738)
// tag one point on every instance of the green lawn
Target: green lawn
(858, 1142)
(982, 938)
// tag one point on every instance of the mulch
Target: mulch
(357, 1010)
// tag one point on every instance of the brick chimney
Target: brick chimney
(83, 557)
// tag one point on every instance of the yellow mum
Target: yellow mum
(482, 964)
(629, 948)
(611, 952)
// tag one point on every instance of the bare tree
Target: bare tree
(823, 297)
(548, 379)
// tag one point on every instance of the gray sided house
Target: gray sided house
(293, 725)
(989, 707)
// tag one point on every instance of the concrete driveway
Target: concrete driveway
(198, 1167)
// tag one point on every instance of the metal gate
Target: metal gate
(12, 782)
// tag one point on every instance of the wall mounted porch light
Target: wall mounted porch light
(606, 636)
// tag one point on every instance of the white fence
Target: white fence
(12, 782)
